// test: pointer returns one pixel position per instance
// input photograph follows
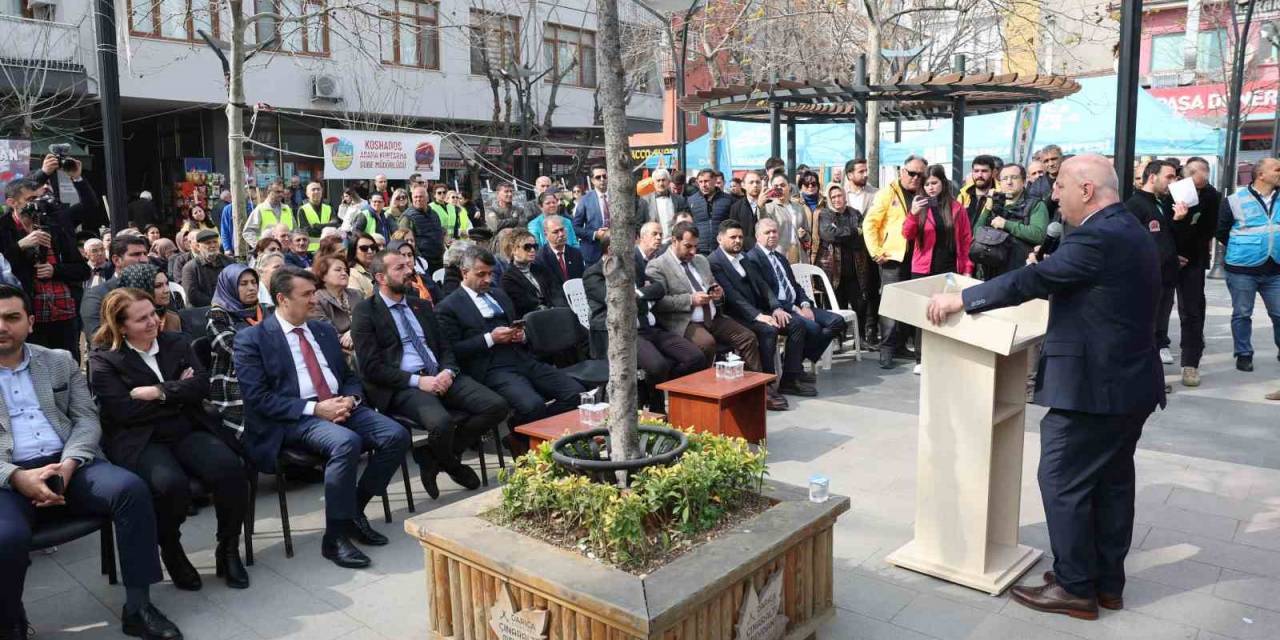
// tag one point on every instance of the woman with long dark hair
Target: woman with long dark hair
(938, 228)
(150, 391)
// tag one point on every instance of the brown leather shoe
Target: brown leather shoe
(1275, 395)
(776, 402)
(1113, 602)
(1052, 598)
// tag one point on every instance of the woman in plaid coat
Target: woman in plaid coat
(235, 306)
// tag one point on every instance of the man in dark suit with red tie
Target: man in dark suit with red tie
(298, 390)
(1100, 376)
(561, 260)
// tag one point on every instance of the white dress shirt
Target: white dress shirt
(696, 315)
(149, 357)
(736, 261)
(305, 388)
(488, 308)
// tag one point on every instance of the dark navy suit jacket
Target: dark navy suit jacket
(1103, 285)
(269, 383)
(574, 261)
(744, 297)
(757, 254)
(588, 218)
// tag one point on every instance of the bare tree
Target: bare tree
(39, 89)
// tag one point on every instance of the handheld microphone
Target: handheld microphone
(1052, 236)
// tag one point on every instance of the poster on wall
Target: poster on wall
(350, 154)
(1024, 132)
(15, 159)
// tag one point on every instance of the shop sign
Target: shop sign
(642, 154)
(1257, 101)
(15, 159)
(351, 154)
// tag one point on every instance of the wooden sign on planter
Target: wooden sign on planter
(761, 615)
(510, 624)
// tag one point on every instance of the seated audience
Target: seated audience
(50, 438)
(527, 281)
(420, 265)
(180, 259)
(692, 304)
(151, 233)
(820, 326)
(100, 267)
(299, 254)
(419, 285)
(476, 320)
(235, 308)
(144, 276)
(334, 299)
(266, 267)
(659, 353)
(750, 302)
(161, 251)
(198, 220)
(297, 390)
(562, 261)
(359, 254)
(410, 370)
(265, 246)
(200, 275)
(125, 250)
(150, 391)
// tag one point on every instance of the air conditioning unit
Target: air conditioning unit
(36, 4)
(324, 88)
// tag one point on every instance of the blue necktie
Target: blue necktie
(493, 306)
(428, 360)
(782, 278)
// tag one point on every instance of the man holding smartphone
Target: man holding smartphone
(49, 457)
(882, 230)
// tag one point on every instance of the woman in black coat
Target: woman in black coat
(150, 389)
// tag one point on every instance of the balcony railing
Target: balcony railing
(39, 43)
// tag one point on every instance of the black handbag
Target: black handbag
(990, 247)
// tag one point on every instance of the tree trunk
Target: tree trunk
(873, 108)
(235, 125)
(619, 272)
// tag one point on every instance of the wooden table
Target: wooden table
(726, 407)
(552, 428)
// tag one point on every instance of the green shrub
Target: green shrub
(664, 507)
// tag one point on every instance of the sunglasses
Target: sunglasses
(915, 174)
(439, 193)
(809, 183)
(598, 177)
(364, 247)
(529, 247)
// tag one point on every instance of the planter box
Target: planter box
(471, 564)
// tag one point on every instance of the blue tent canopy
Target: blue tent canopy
(1080, 123)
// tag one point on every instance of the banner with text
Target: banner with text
(1024, 133)
(353, 155)
(15, 159)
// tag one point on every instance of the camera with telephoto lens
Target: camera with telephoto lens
(998, 200)
(63, 151)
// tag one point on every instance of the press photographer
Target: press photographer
(1010, 228)
(38, 239)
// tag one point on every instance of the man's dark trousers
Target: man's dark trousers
(97, 489)
(364, 430)
(483, 409)
(1087, 485)
(1191, 305)
(1162, 316)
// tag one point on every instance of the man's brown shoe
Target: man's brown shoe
(1274, 395)
(1105, 600)
(1052, 598)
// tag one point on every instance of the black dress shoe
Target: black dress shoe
(775, 402)
(183, 575)
(794, 387)
(17, 631)
(807, 377)
(1052, 598)
(1114, 602)
(148, 623)
(1244, 363)
(517, 445)
(886, 358)
(365, 534)
(228, 565)
(344, 554)
(463, 475)
(427, 472)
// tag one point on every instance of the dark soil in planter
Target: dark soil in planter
(752, 505)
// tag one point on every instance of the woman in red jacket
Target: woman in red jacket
(939, 231)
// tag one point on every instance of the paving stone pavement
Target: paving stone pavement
(1205, 563)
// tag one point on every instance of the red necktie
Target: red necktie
(323, 392)
(564, 269)
(604, 210)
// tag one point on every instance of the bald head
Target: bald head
(1085, 184)
(1266, 175)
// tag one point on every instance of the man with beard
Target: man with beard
(410, 370)
(746, 210)
(126, 250)
(975, 195)
(200, 276)
(1157, 212)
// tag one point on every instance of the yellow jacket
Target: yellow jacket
(882, 226)
(966, 196)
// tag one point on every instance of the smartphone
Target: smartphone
(713, 287)
(517, 324)
(55, 484)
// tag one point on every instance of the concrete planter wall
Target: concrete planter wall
(472, 563)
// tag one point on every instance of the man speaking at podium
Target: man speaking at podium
(1099, 374)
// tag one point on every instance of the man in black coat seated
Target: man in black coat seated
(528, 282)
(562, 261)
(410, 370)
(477, 323)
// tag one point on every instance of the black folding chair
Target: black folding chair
(195, 321)
(53, 530)
(545, 332)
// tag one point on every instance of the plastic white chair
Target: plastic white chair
(805, 273)
(177, 288)
(577, 296)
(438, 276)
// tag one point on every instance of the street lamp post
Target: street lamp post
(656, 7)
(1127, 93)
(1228, 178)
(1271, 31)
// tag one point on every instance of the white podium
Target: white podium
(969, 464)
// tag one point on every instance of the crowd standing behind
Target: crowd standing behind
(401, 300)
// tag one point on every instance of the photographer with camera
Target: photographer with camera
(38, 239)
(1011, 228)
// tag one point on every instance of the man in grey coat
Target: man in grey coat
(49, 457)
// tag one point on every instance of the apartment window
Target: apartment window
(1166, 52)
(572, 53)
(1211, 47)
(648, 80)
(304, 29)
(692, 118)
(411, 38)
(495, 41)
(174, 19)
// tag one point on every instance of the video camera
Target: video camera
(63, 151)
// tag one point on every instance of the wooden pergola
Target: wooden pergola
(916, 98)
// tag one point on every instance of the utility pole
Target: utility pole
(1127, 92)
(112, 128)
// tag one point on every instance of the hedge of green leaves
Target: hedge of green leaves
(664, 507)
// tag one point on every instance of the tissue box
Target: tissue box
(726, 370)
